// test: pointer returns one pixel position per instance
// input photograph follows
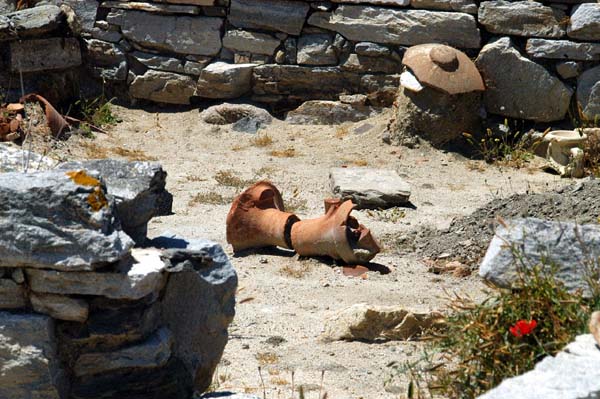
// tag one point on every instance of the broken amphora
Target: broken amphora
(335, 234)
(564, 153)
(257, 218)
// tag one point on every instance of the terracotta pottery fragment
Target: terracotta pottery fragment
(335, 234)
(257, 218)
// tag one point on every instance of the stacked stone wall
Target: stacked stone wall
(283, 52)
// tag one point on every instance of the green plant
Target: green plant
(504, 147)
(95, 113)
(505, 335)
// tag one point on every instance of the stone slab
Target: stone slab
(60, 307)
(401, 27)
(152, 353)
(250, 42)
(572, 374)
(178, 34)
(28, 366)
(387, 3)
(588, 93)
(152, 7)
(369, 188)
(35, 21)
(58, 220)
(468, 6)
(12, 295)
(199, 332)
(316, 49)
(533, 239)
(223, 80)
(518, 87)
(38, 55)
(521, 18)
(321, 112)
(163, 87)
(563, 49)
(276, 15)
(14, 158)
(136, 278)
(584, 23)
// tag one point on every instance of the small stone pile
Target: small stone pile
(84, 314)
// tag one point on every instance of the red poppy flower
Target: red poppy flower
(522, 328)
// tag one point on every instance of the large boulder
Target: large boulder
(584, 23)
(28, 358)
(572, 374)
(518, 87)
(138, 189)
(521, 18)
(566, 250)
(278, 15)
(38, 55)
(223, 80)
(163, 87)
(318, 112)
(588, 93)
(198, 304)
(58, 220)
(397, 26)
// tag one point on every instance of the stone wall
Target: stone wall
(86, 315)
(282, 52)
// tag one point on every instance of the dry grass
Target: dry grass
(209, 198)
(287, 153)
(296, 270)
(237, 148)
(342, 131)
(476, 166)
(279, 381)
(133, 155)
(262, 140)
(228, 179)
(265, 358)
(194, 178)
(93, 150)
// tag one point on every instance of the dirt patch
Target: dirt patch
(467, 238)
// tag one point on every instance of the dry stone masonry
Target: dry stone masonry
(537, 59)
(84, 313)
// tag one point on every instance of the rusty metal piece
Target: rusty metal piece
(257, 218)
(444, 68)
(336, 234)
(55, 121)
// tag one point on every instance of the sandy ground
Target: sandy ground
(283, 301)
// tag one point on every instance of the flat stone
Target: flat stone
(135, 278)
(138, 189)
(7, 6)
(572, 374)
(12, 159)
(563, 49)
(60, 307)
(250, 42)
(568, 69)
(369, 49)
(152, 353)
(85, 10)
(369, 188)
(159, 62)
(468, 6)
(355, 99)
(152, 7)
(203, 3)
(18, 276)
(12, 295)
(223, 80)
(584, 23)
(403, 27)
(588, 93)
(367, 323)
(102, 53)
(389, 3)
(320, 112)
(243, 117)
(277, 15)
(200, 332)
(364, 64)
(35, 21)
(58, 220)
(316, 49)
(177, 34)
(106, 35)
(521, 18)
(535, 239)
(518, 87)
(163, 87)
(28, 357)
(44, 54)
